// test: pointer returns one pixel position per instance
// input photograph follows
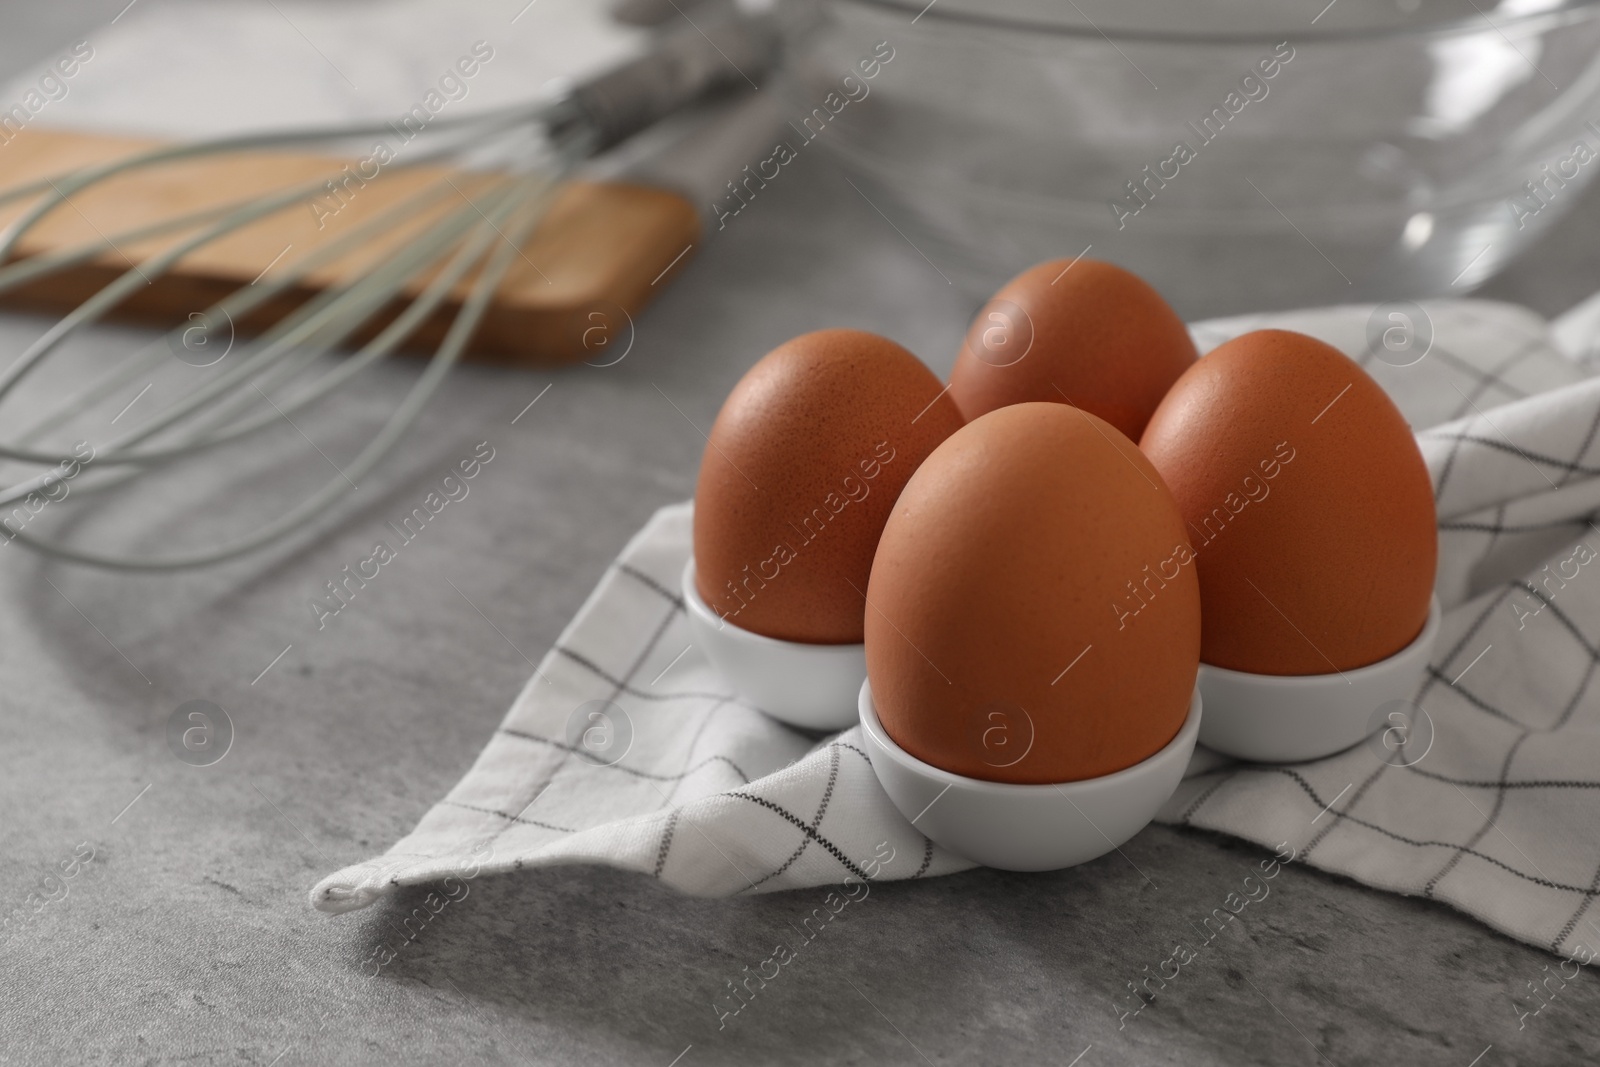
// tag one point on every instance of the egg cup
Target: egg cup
(1276, 718)
(810, 686)
(1027, 827)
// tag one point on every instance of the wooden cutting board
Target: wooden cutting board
(596, 259)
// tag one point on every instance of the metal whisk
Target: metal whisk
(531, 149)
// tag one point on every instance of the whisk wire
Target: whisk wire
(480, 248)
(351, 305)
(236, 305)
(417, 258)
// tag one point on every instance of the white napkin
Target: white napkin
(1501, 817)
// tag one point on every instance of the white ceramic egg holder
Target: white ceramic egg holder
(1289, 718)
(1015, 827)
(810, 686)
(1027, 827)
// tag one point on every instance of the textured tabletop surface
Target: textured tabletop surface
(188, 937)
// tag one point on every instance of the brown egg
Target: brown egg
(804, 462)
(1034, 616)
(1086, 333)
(1307, 502)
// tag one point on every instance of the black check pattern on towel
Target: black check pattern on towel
(1501, 819)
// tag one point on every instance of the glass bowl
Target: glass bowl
(1238, 154)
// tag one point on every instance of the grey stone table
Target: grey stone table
(188, 936)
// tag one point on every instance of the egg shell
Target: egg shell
(1308, 505)
(1005, 640)
(805, 460)
(1086, 333)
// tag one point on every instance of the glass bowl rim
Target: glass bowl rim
(1569, 12)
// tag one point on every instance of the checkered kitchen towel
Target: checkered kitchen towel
(1500, 818)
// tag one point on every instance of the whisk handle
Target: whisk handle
(684, 66)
